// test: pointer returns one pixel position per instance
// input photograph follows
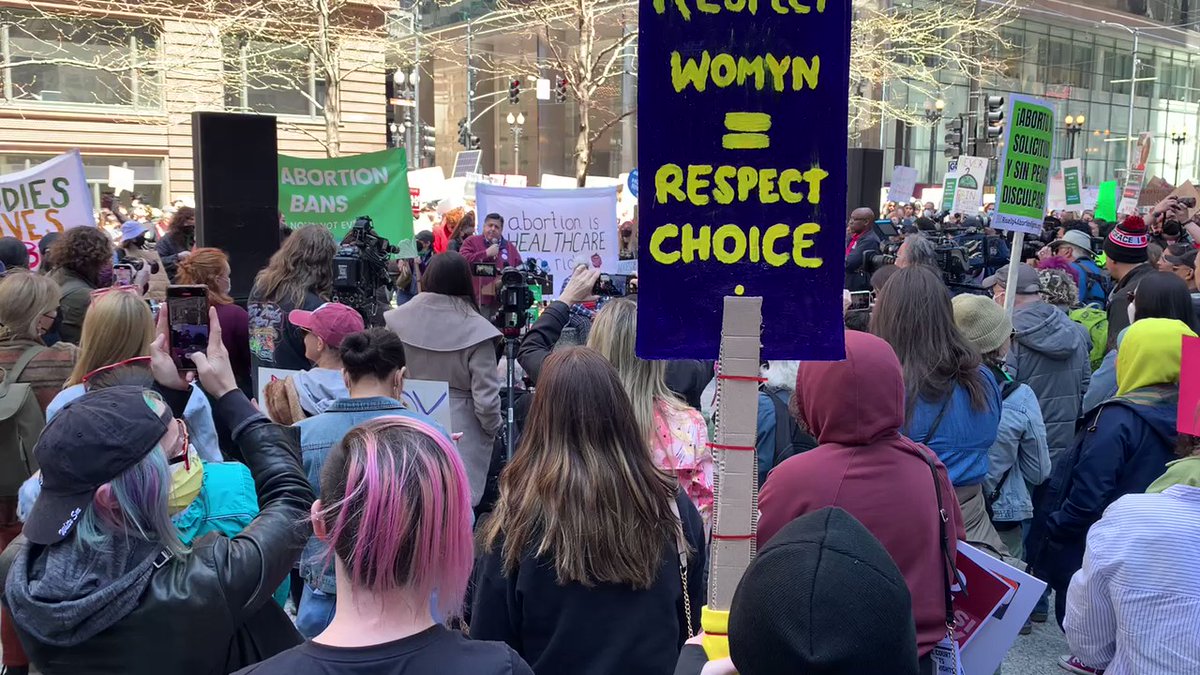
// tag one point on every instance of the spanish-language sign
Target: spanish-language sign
(949, 184)
(334, 192)
(49, 197)
(904, 183)
(1072, 173)
(742, 136)
(1024, 168)
(559, 227)
(968, 185)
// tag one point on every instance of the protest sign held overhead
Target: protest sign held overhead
(968, 185)
(560, 227)
(1072, 174)
(949, 184)
(750, 200)
(904, 183)
(334, 192)
(49, 197)
(1024, 168)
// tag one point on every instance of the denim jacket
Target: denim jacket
(318, 435)
(1021, 451)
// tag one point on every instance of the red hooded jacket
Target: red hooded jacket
(854, 408)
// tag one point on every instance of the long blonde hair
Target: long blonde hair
(24, 298)
(614, 334)
(303, 263)
(582, 492)
(118, 326)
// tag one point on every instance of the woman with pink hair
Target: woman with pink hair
(395, 512)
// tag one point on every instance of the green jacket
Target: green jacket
(1184, 471)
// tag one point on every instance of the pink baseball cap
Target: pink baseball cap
(331, 322)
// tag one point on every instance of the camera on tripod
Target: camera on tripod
(360, 273)
(517, 296)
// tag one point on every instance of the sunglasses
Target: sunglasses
(127, 362)
(101, 292)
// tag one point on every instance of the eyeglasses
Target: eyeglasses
(181, 453)
(112, 366)
(101, 292)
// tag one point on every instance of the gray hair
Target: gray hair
(921, 251)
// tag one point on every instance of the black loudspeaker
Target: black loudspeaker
(237, 191)
(864, 178)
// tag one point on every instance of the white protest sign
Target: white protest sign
(1056, 194)
(904, 182)
(120, 178)
(50, 197)
(267, 376)
(991, 643)
(552, 181)
(1089, 196)
(431, 399)
(968, 190)
(431, 181)
(557, 226)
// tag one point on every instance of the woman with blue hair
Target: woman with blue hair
(102, 581)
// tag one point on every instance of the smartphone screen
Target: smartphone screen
(187, 317)
(123, 274)
(860, 300)
(611, 285)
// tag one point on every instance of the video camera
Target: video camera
(360, 271)
(517, 296)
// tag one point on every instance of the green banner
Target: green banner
(334, 192)
(1072, 184)
(1106, 203)
(1024, 173)
(949, 185)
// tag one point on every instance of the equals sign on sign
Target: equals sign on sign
(748, 128)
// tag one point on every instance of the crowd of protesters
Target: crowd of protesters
(155, 520)
(1081, 420)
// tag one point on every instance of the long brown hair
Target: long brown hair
(202, 268)
(582, 490)
(303, 263)
(118, 326)
(914, 315)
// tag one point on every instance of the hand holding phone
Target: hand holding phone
(187, 319)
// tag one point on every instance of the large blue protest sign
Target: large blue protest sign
(742, 135)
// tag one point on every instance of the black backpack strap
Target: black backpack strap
(948, 567)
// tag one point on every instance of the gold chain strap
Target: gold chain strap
(687, 600)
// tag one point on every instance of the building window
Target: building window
(1117, 66)
(147, 174)
(271, 78)
(50, 60)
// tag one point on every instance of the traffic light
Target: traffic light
(995, 118)
(954, 136)
(514, 91)
(464, 134)
(428, 140)
(560, 90)
(473, 142)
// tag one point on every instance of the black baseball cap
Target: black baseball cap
(91, 441)
(1185, 259)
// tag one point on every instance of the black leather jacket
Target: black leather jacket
(210, 610)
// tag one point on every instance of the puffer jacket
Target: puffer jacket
(1051, 354)
(1122, 448)
(1019, 458)
(205, 612)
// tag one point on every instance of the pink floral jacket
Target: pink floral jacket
(681, 448)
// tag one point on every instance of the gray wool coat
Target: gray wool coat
(445, 340)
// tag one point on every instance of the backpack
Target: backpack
(790, 439)
(21, 422)
(1096, 284)
(1095, 320)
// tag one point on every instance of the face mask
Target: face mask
(186, 481)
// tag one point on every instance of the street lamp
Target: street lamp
(933, 115)
(1074, 125)
(515, 124)
(1178, 138)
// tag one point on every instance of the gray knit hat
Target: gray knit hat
(982, 322)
